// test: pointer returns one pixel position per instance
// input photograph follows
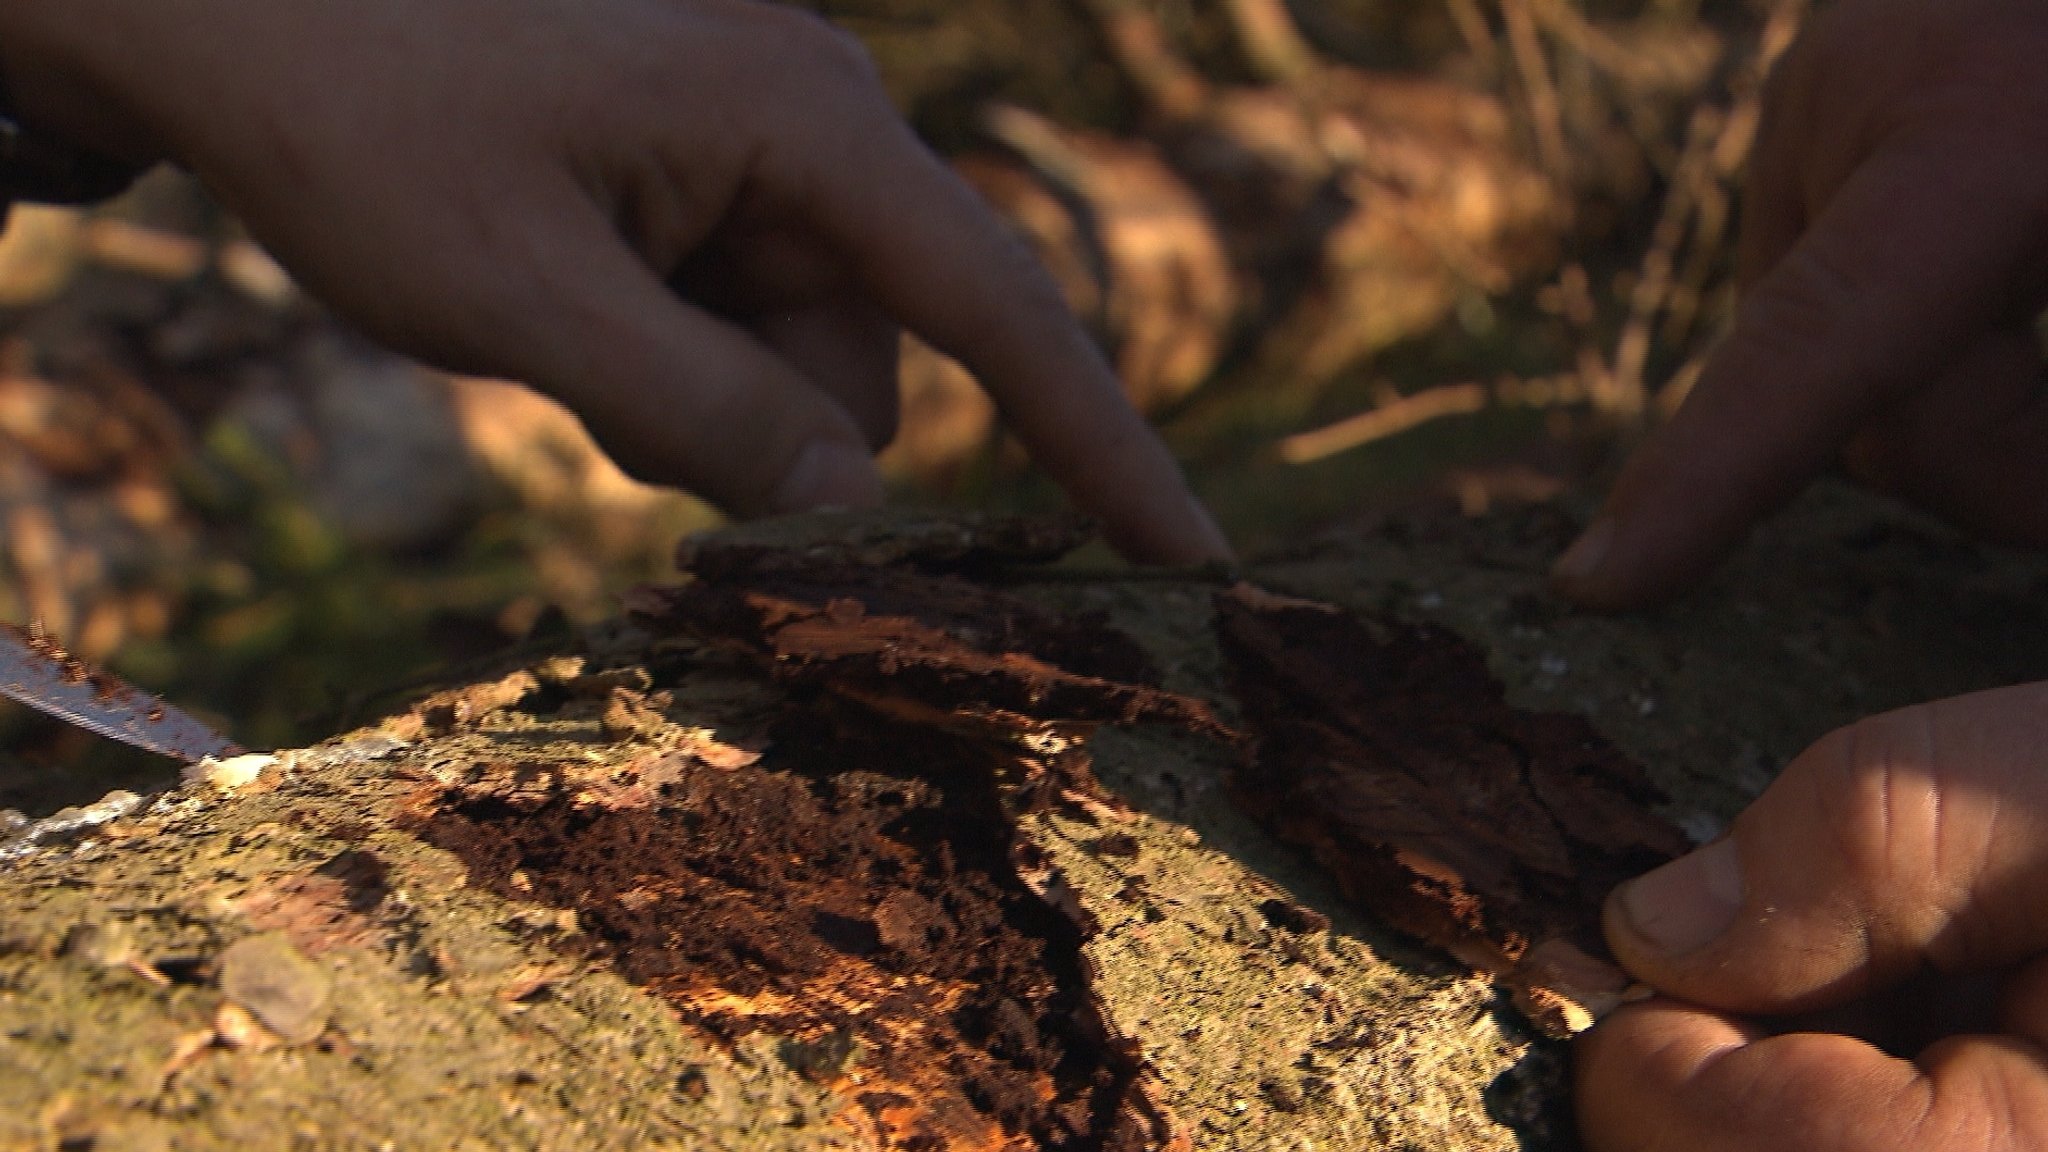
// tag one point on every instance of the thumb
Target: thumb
(1913, 839)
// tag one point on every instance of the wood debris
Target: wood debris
(915, 632)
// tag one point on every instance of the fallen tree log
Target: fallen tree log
(884, 834)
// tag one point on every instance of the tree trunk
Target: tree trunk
(667, 891)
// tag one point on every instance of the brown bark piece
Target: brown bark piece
(629, 714)
(936, 641)
(445, 712)
(1389, 751)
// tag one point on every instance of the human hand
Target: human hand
(1894, 256)
(696, 222)
(1915, 842)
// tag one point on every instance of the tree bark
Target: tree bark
(495, 920)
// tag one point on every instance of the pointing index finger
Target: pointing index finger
(949, 270)
(1921, 250)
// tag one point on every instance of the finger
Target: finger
(800, 300)
(1666, 1077)
(947, 269)
(1971, 448)
(847, 349)
(1913, 259)
(1907, 1017)
(1773, 198)
(676, 394)
(1909, 840)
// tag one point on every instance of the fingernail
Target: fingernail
(830, 474)
(1687, 903)
(1586, 554)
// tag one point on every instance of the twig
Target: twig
(1387, 420)
(1533, 64)
(1780, 30)
(1140, 45)
(1034, 138)
(1478, 36)
(1625, 394)
(1717, 166)
(1712, 215)
(1272, 42)
(1675, 390)
(1572, 29)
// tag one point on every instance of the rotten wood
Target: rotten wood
(898, 626)
(1390, 753)
(859, 889)
(1388, 750)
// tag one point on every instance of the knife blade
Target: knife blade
(38, 672)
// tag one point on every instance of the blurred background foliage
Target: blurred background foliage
(1350, 255)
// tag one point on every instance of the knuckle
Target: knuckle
(1855, 797)
(813, 49)
(1881, 802)
(1809, 300)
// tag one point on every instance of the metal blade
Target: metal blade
(38, 672)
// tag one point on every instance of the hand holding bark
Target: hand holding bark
(1908, 850)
